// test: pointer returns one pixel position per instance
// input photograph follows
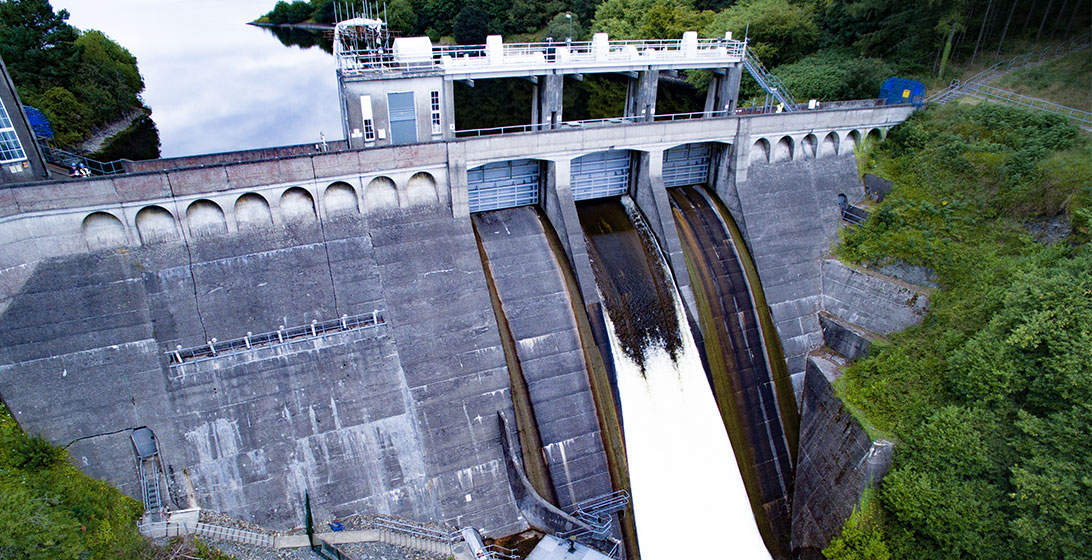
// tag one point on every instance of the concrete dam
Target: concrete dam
(351, 323)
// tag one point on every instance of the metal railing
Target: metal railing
(990, 93)
(415, 530)
(854, 215)
(64, 159)
(769, 83)
(956, 86)
(160, 529)
(497, 552)
(597, 514)
(216, 348)
(611, 121)
(149, 487)
(468, 57)
(587, 123)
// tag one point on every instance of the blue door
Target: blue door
(403, 117)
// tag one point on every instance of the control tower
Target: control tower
(401, 91)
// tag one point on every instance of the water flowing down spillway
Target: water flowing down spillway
(688, 495)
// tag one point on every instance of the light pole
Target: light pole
(569, 17)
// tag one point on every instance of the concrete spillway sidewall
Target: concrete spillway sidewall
(603, 381)
(721, 362)
(771, 343)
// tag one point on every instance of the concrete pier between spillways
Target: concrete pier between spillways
(100, 279)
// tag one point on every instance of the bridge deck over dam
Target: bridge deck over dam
(101, 278)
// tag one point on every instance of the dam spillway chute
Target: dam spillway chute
(683, 472)
(751, 388)
(687, 164)
(503, 184)
(600, 175)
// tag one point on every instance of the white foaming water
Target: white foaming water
(688, 496)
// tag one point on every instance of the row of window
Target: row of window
(10, 148)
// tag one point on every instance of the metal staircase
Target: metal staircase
(598, 514)
(401, 532)
(149, 473)
(771, 84)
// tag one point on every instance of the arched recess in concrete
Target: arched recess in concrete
(205, 218)
(829, 147)
(851, 141)
(252, 212)
(340, 198)
(760, 151)
(808, 146)
(421, 189)
(155, 225)
(874, 136)
(380, 193)
(103, 230)
(783, 150)
(297, 205)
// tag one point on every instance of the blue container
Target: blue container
(896, 91)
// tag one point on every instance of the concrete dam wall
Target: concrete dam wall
(101, 282)
(397, 418)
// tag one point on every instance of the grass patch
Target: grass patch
(1066, 81)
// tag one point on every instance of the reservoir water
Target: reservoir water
(215, 84)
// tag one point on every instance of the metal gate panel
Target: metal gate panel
(687, 165)
(504, 184)
(403, 117)
(600, 174)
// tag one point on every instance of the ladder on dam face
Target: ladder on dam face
(149, 472)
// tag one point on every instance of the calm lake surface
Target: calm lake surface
(214, 83)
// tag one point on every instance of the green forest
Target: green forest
(80, 80)
(822, 49)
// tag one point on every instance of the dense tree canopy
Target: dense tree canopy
(80, 80)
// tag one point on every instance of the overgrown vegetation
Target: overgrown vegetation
(79, 79)
(49, 510)
(988, 397)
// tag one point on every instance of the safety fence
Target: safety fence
(65, 159)
(956, 87)
(990, 93)
(316, 328)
